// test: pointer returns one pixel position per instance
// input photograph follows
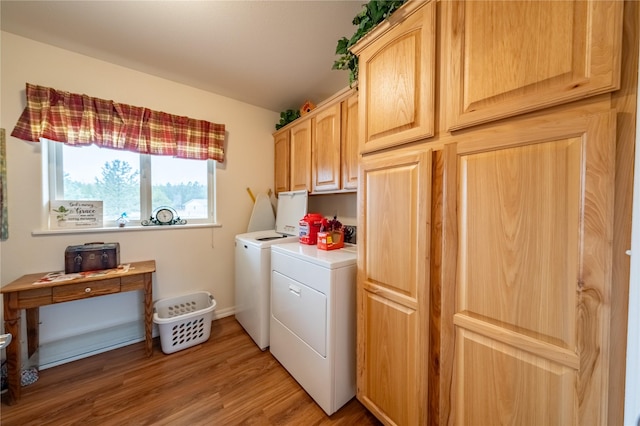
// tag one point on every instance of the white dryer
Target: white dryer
(313, 319)
(253, 265)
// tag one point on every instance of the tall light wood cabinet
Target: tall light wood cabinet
(393, 285)
(528, 301)
(396, 106)
(486, 296)
(281, 160)
(300, 150)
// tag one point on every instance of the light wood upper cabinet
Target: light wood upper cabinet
(281, 160)
(335, 147)
(505, 58)
(300, 160)
(393, 285)
(396, 78)
(350, 133)
(531, 293)
(319, 152)
(326, 142)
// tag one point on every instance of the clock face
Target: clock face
(164, 216)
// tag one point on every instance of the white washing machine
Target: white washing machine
(253, 265)
(313, 319)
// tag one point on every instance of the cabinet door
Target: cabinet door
(281, 160)
(533, 288)
(506, 58)
(300, 165)
(396, 80)
(393, 286)
(326, 149)
(350, 143)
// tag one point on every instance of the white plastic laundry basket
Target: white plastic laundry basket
(184, 321)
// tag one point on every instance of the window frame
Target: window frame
(55, 182)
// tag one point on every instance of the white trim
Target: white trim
(53, 189)
(52, 354)
(128, 228)
(145, 186)
(212, 187)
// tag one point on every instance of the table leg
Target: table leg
(33, 330)
(12, 326)
(148, 314)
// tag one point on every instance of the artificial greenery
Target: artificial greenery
(372, 14)
(287, 117)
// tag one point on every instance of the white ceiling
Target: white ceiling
(273, 54)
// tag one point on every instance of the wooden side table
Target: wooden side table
(24, 293)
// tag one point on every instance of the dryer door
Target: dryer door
(301, 309)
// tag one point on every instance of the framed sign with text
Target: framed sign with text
(75, 214)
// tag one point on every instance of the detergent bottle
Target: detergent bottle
(309, 227)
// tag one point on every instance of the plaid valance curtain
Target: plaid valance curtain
(82, 120)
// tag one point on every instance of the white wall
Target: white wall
(341, 205)
(187, 259)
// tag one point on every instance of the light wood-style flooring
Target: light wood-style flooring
(225, 381)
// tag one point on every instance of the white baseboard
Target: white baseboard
(87, 344)
(223, 313)
(84, 345)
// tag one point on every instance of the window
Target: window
(123, 182)
(132, 183)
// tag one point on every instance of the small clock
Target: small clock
(164, 216)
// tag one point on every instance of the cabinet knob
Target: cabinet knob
(87, 290)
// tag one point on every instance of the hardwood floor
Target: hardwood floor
(225, 381)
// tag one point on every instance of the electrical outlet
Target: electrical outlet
(350, 234)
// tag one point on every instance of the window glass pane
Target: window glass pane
(93, 173)
(181, 184)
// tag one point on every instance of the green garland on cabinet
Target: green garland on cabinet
(287, 117)
(372, 14)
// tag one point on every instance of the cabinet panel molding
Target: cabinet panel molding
(350, 134)
(519, 230)
(300, 150)
(393, 285)
(281, 160)
(326, 144)
(540, 396)
(396, 80)
(533, 273)
(390, 358)
(494, 68)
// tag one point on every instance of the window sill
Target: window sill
(128, 228)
